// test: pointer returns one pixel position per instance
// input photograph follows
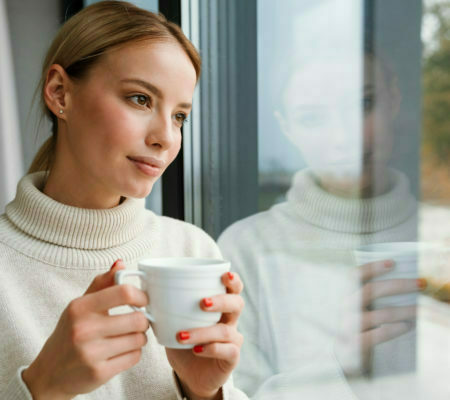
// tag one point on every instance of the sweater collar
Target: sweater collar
(331, 212)
(45, 219)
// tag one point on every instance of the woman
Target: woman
(117, 84)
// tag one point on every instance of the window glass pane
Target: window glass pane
(346, 259)
(319, 46)
(151, 5)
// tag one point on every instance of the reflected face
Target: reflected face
(340, 119)
(130, 106)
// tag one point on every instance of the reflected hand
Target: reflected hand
(362, 327)
(203, 370)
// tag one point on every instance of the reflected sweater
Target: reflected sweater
(297, 265)
(50, 252)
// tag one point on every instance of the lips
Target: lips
(151, 161)
(148, 165)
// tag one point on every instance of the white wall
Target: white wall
(32, 26)
(11, 167)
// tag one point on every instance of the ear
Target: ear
(57, 90)
(282, 122)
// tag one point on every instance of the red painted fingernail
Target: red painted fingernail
(230, 276)
(115, 264)
(421, 283)
(207, 302)
(388, 264)
(184, 335)
(198, 349)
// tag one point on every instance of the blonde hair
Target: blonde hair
(89, 34)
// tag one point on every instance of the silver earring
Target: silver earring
(61, 111)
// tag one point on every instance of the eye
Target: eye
(180, 118)
(140, 100)
(368, 104)
(311, 119)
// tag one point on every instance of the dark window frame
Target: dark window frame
(172, 180)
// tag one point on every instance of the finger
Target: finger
(104, 349)
(224, 303)
(122, 362)
(113, 347)
(232, 282)
(117, 295)
(372, 319)
(217, 333)
(390, 287)
(385, 332)
(371, 270)
(101, 326)
(117, 325)
(228, 352)
(230, 305)
(105, 280)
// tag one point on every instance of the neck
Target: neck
(73, 195)
(369, 186)
(336, 213)
(67, 184)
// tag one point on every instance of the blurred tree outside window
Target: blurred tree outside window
(435, 168)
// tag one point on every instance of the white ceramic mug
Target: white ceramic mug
(397, 355)
(175, 287)
(412, 259)
(406, 257)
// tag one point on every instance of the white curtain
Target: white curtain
(11, 163)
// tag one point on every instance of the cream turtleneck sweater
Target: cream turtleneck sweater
(50, 252)
(296, 262)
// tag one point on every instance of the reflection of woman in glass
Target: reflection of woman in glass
(323, 111)
(296, 258)
(117, 84)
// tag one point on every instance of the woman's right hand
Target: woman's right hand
(364, 327)
(88, 346)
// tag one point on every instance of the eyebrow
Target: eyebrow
(152, 88)
(310, 107)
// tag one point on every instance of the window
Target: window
(324, 152)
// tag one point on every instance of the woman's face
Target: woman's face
(341, 120)
(130, 106)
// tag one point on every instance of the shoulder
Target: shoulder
(255, 230)
(180, 238)
(7, 231)
(181, 229)
(9, 238)
(244, 240)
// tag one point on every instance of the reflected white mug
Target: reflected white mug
(175, 287)
(407, 257)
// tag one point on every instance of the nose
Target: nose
(347, 130)
(161, 133)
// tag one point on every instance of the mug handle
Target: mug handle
(119, 276)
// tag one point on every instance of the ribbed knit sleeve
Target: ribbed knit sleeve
(16, 388)
(232, 393)
(229, 392)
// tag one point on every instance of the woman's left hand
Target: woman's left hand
(203, 370)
